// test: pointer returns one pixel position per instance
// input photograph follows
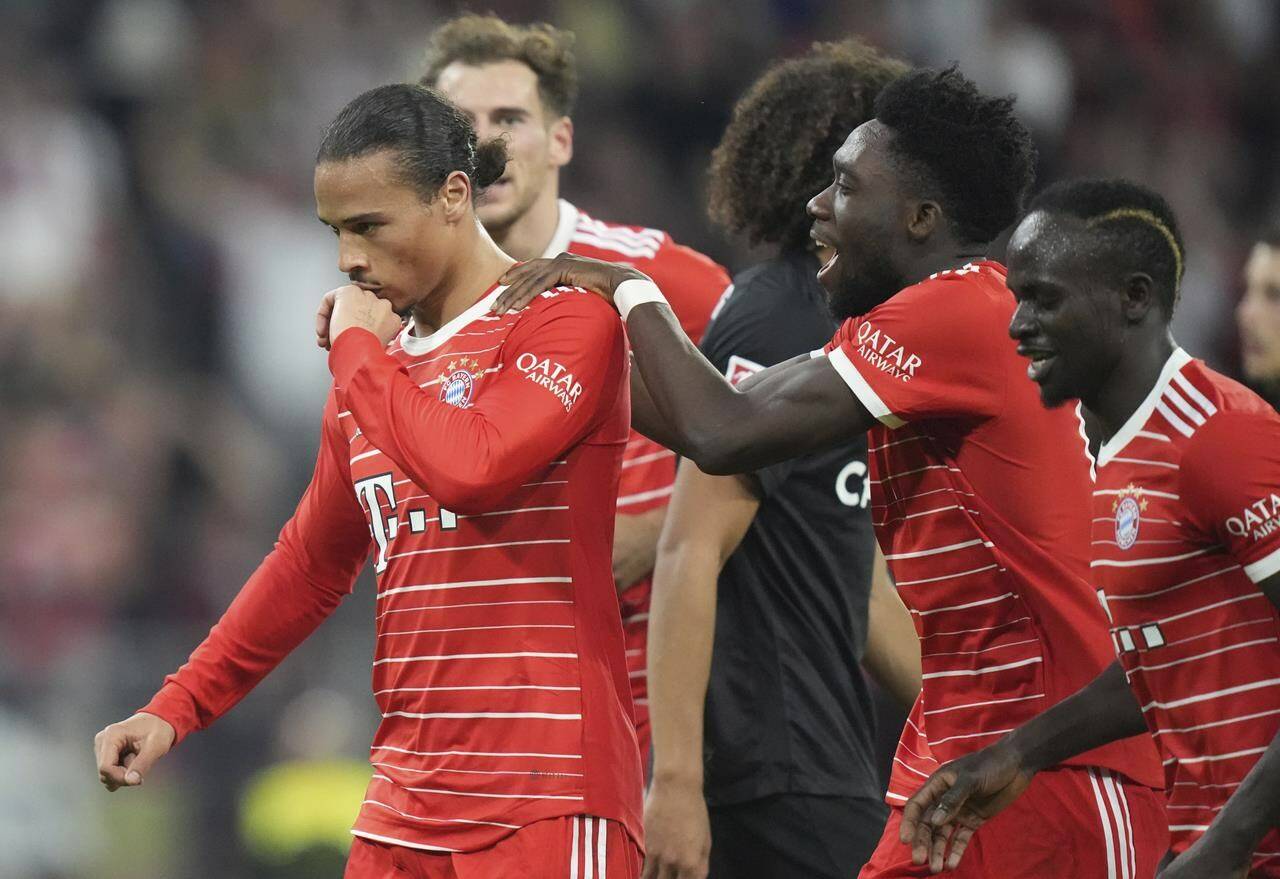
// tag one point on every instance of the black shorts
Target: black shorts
(794, 835)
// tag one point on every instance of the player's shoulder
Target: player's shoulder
(652, 250)
(971, 301)
(972, 285)
(1219, 415)
(570, 302)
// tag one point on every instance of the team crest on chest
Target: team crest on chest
(1128, 506)
(458, 382)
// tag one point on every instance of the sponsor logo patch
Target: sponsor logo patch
(1258, 520)
(739, 368)
(1128, 507)
(547, 373)
(885, 353)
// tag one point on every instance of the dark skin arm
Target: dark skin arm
(796, 407)
(961, 796)
(965, 793)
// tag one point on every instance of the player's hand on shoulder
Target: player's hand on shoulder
(126, 751)
(677, 832)
(346, 307)
(941, 817)
(526, 281)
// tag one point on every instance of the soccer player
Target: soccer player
(980, 495)
(1186, 543)
(520, 82)
(476, 456)
(1258, 317)
(776, 563)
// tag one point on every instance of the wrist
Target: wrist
(683, 776)
(1022, 752)
(634, 290)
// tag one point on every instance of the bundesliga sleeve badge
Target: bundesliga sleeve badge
(1128, 507)
(458, 382)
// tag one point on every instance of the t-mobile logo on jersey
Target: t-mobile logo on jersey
(377, 495)
(1260, 518)
(884, 353)
(553, 376)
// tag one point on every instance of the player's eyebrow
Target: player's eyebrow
(509, 111)
(369, 217)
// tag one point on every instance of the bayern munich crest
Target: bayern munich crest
(1128, 507)
(458, 382)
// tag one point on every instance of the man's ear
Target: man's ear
(455, 196)
(560, 142)
(1138, 296)
(923, 219)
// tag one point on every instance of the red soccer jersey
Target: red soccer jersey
(980, 500)
(693, 285)
(483, 460)
(1186, 521)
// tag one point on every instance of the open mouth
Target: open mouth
(832, 259)
(1041, 363)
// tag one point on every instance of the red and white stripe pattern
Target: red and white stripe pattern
(692, 285)
(983, 521)
(1117, 825)
(589, 857)
(499, 643)
(1199, 641)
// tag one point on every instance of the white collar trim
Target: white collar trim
(1112, 447)
(567, 222)
(418, 345)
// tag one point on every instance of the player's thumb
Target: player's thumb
(150, 749)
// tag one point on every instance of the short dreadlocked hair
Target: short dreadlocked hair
(964, 149)
(776, 153)
(1132, 227)
(486, 39)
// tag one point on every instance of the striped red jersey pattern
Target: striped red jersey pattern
(980, 499)
(483, 461)
(1186, 522)
(693, 284)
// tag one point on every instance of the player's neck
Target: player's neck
(531, 233)
(1134, 376)
(478, 267)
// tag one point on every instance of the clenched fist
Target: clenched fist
(350, 306)
(126, 751)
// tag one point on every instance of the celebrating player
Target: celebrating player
(477, 456)
(1258, 317)
(520, 82)
(1186, 538)
(775, 564)
(980, 495)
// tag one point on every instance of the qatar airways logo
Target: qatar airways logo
(884, 353)
(553, 376)
(1260, 518)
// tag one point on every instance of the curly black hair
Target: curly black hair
(966, 150)
(1132, 228)
(776, 151)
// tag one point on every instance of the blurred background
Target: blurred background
(159, 385)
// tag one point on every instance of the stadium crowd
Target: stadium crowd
(157, 160)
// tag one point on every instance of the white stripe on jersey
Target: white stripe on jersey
(468, 584)
(391, 840)
(901, 583)
(1186, 408)
(436, 820)
(1190, 390)
(1106, 826)
(1139, 563)
(523, 773)
(965, 606)
(1205, 697)
(1177, 423)
(474, 753)
(984, 704)
(617, 246)
(448, 656)
(400, 555)
(458, 793)
(972, 672)
(641, 497)
(939, 550)
(1168, 589)
(1227, 649)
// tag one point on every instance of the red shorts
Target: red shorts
(1072, 822)
(578, 847)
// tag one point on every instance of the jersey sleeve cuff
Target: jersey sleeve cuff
(349, 353)
(174, 705)
(1264, 567)
(863, 391)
